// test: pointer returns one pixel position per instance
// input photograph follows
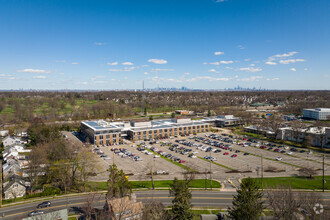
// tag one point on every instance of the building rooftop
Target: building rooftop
(319, 109)
(100, 125)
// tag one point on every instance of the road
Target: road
(215, 199)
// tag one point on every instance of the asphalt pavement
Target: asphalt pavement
(216, 199)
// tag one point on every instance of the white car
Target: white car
(156, 156)
(286, 148)
(289, 152)
(279, 158)
(310, 152)
(193, 156)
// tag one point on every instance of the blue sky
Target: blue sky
(201, 44)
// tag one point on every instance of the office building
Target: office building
(108, 133)
(317, 114)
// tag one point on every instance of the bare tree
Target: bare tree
(307, 172)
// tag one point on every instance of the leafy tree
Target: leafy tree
(173, 115)
(118, 184)
(247, 203)
(209, 113)
(181, 201)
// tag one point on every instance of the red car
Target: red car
(182, 161)
(226, 153)
(234, 155)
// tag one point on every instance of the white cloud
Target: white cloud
(39, 77)
(271, 63)
(220, 62)
(157, 61)
(284, 55)
(209, 78)
(33, 71)
(187, 73)
(291, 61)
(125, 69)
(248, 59)
(214, 71)
(81, 83)
(99, 43)
(60, 61)
(276, 79)
(241, 47)
(112, 64)
(146, 73)
(251, 69)
(74, 63)
(99, 82)
(293, 69)
(252, 64)
(218, 53)
(251, 79)
(305, 69)
(219, 1)
(281, 56)
(228, 68)
(158, 70)
(5, 75)
(127, 63)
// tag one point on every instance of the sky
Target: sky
(199, 44)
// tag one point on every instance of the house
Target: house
(14, 189)
(10, 140)
(4, 133)
(11, 168)
(125, 208)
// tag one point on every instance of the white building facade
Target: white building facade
(317, 114)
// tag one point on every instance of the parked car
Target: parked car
(226, 153)
(289, 152)
(156, 156)
(246, 154)
(43, 204)
(34, 213)
(234, 155)
(279, 158)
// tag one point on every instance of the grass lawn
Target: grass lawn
(295, 182)
(198, 183)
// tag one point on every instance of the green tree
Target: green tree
(208, 113)
(118, 184)
(247, 203)
(173, 115)
(151, 118)
(181, 201)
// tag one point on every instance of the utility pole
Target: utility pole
(262, 174)
(323, 180)
(205, 179)
(1, 184)
(152, 175)
(211, 169)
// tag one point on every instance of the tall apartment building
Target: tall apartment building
(317, 114)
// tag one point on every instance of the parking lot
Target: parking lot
(227, 152)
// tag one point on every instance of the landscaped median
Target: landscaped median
(196, 183)
(216, 163)
(174, 162)
(295, 182)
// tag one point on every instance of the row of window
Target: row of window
(174, 129)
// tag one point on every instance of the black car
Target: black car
(43, 204)
(246, 154)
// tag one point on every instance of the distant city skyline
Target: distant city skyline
(197, 44)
